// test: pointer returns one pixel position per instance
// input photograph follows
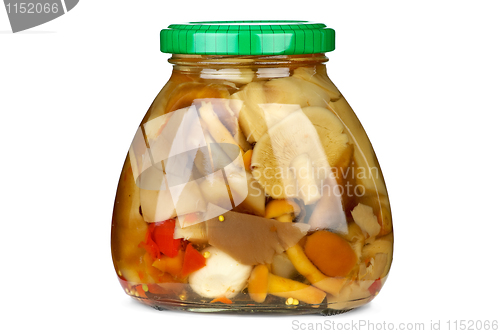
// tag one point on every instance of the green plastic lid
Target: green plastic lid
(247, 38)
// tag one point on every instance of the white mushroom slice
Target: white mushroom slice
(366, 220)
(329, 212)
(239, 76)
(222, 276)
(248, 195)
(295, 91)
(196, 233)
(160, 202)
(217, 130)
(356, 237)
(274, 160)
(377, 267)
(304, 173)
(381, 245)
(331, 132)
(364, 158)
(240, 139)
(214, 188)
(245, 105)
(317, 75)
(266, 103)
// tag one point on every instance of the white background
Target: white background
(422, 76)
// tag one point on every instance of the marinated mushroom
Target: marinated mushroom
(282, 210)
(283, 267)
(328, 212)
(257, 283)
(160, 202)
(316, 75)
(236, 75)
(366, 220)
(251, 239)
(331, 133)
(292, 90)
(245, 105)
(250, 195)
(289, 160)
(267, 103)
(287, 288)
(330, 253)
(222, 276)
(301, 262)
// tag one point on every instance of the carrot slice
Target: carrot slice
(222, 300)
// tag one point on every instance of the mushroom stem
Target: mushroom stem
(286, 218)
(215, 127)
(305, 267)
(286, 288)
(257, 283)
(304, 173)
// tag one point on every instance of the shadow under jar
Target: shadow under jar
(250, 184)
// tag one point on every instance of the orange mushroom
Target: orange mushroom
(283, 210)
(257, 284)
(330, 253)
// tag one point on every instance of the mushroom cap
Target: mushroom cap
(317, 75)
(248, 111)
(293, 90)
(331, 132)
(275, 151)
(267, 103)
(279, 207)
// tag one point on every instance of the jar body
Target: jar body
(251, 186)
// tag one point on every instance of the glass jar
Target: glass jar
(250, 184)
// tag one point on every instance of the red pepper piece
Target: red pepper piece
(375, 287)
(163, 236)
(193, 261)
(149, 245)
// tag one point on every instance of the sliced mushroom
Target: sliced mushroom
(217, 130)
(289, 159)
(317, 75)
(331, 132)
(196, 233)
(364, 158)
(160, 202)
(245, 105)
(328, 213)
(239, 76)
(267, 103)
(366, 220)
(251, 239)
(292, 90)
(247, 194)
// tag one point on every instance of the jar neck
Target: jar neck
(185, 62)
